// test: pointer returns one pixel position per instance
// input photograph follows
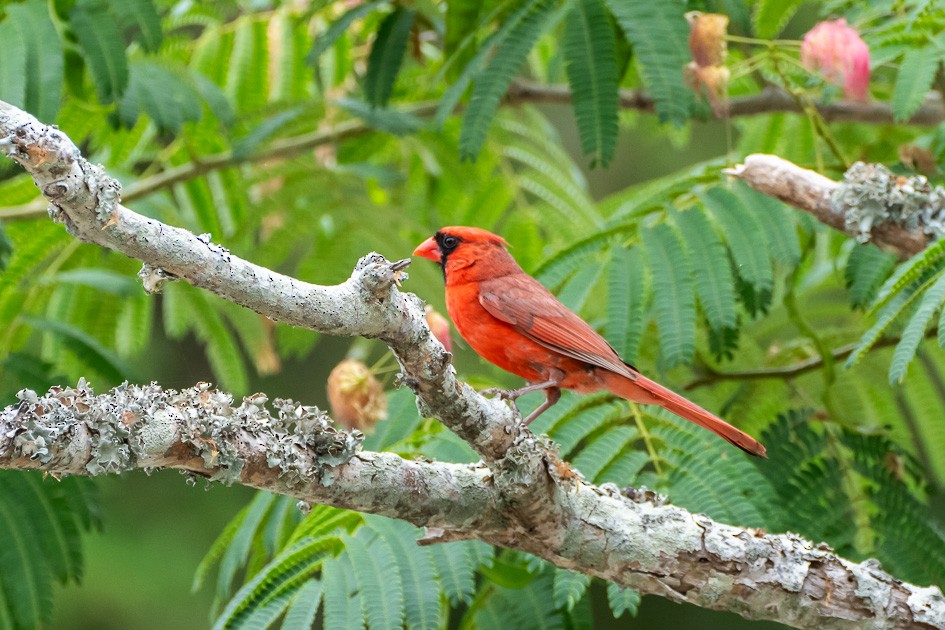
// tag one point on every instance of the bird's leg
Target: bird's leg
(552, 394)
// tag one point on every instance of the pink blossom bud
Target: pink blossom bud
(840, 54)
(440, 327)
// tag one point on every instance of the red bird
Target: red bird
(511, 320)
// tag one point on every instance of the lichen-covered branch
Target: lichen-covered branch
(295, 451)
(657, 549)
(87, 201)
(871, 204)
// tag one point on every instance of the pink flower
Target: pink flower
(840, 54)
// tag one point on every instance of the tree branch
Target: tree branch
(526, 499)
(871, 204)
(768, 101)
(657, 549)
(771, 100)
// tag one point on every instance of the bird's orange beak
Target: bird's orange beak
(428, 249)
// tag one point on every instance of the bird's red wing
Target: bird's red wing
(523, 302)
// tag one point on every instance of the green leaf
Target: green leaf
(914, 331)
(577, 290)
(569, 588)
(772, 15)
(744, 233)
(421, 592)
(342, 608)
(461, 21)
(777, 221)
(456, 570)
(916, 73)
(278, 580)
(387, 54)
(512, 43)
(102, 47)
(622, 600)
(247, 81)
(6, 249)
(304, 607)
(659, 34)
(889, 313)
(590, 57)
(380, 589)
(100, 279)
(90, 349)
(13, 72)
(674, 302)
(44, 58)
(166, 94)
(239, 546)
(714, 282)
(329, 36)
(867, 267)
(910, 272)
(627, 298)
(25, 578)
(598, 453)
(245, 146)
(141, 15)
(387, 120)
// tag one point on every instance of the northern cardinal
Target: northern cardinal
(511, 320)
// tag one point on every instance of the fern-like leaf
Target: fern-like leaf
(455, 566)
(279, 580)
(327, 39)
(916, 73)
(675, 302)
(777, 221)
(627, 298)
(304, 607)
(380, 589)
(590, 57)
(914, 330)
(101, 44)
(386, 56)
(909, 272)
(714, 282)
(342, 609)
(622, 600)
(658, 32)
(744, 233)
(415, 564)
(772, 15)
(44, 57)
(867, 267)
(142, 16)
(569, 588)
(515, 39)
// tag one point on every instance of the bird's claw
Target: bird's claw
(498, 392)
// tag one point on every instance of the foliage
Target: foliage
(290, 131)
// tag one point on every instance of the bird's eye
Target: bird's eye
(450, 242)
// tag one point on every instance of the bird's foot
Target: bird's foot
(502, 394)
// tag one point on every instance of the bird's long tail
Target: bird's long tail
(644, 390)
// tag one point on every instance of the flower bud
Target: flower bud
(440, 327)
(708, 47)
(840, 54)
(357, 399)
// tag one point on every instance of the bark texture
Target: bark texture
(872, 204)
(521, 496)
